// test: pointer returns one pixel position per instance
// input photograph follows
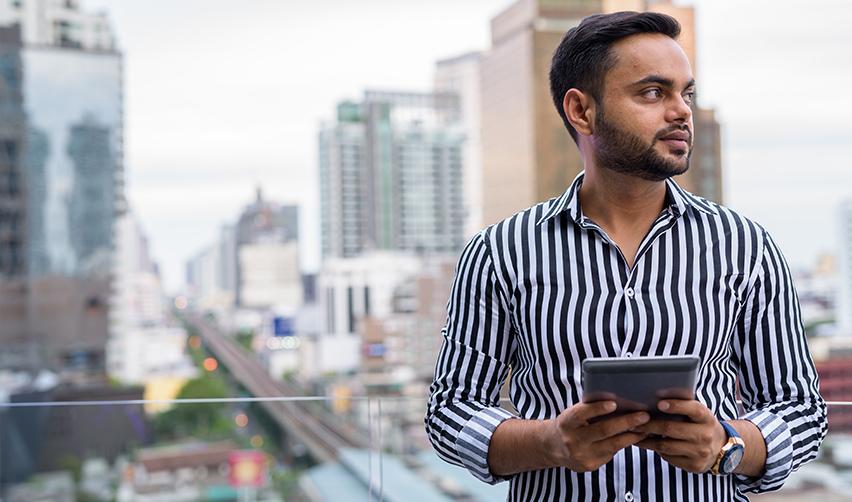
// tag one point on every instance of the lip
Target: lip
(676, 143)
(677, 135)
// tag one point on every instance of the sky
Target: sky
(222, 97)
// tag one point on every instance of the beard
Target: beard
(626, 153)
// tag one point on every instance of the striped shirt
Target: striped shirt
(546, 288)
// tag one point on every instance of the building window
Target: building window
(350, 308)
(366, 300)
(329, 295)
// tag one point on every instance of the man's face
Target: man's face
(643, 124)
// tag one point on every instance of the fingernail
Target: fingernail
(610, 406)
(664, 405)
(644, 417)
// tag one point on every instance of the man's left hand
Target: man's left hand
(692, 446)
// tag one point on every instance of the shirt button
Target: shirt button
(629, 292)
(628, 497)
(628, 354)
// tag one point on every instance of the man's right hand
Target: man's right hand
(583, 446)
(569, 440)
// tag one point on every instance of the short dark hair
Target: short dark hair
(583, 58)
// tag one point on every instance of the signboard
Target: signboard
(283, 326)
(375, 350)
(248, 469)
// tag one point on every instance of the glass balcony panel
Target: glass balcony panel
(275, 449)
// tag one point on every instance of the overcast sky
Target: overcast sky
(222, 96)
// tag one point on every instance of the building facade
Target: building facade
(462, 75)
(71, 178)
(527, 154)
(59, 23)
(843, 305)
(391, 175)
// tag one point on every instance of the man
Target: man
(625, 263)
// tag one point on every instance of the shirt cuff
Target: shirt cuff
(474, 438)
(779, 452)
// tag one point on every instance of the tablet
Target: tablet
(639, 383)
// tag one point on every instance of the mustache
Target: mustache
(675, 128)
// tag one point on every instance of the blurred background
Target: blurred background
(228, 229)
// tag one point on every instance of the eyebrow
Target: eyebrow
(663, 81)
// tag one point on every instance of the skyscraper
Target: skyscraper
(58, 23)
(843, 305)
(71, 85)
(267, 254)
(391, 175)
(462, 75)
(527, 154)
(12, 134)
(13, 200)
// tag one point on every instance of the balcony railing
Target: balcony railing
(274, 449)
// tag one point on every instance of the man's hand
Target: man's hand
(692, 446)
(582, 446)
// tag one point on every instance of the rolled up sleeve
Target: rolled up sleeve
(778, 380)
(473, 362)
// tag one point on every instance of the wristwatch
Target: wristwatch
(732, 452)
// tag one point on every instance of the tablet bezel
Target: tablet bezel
(639, 383)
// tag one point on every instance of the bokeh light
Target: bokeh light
(210, 364)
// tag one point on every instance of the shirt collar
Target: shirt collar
(679, 201)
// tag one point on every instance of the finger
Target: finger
(619, 442)
(695, 410)
(670, 429)
(610, 427)
(670, 447)
(580, 414)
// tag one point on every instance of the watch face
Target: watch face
(732, 460)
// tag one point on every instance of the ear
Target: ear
(579, 108)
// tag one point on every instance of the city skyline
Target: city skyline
(772, 84)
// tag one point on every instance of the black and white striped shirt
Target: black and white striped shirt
(546, 288)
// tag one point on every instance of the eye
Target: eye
(689, 97)
(653, 93)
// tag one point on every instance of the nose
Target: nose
(679, 110)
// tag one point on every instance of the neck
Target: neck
(616, 200)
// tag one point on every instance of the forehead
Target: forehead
(638, 56)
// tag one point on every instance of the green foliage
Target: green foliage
(71, 463)
(245, 338)
(207, 421)
(811, 326)
(286, 482)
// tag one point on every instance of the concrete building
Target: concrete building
(462, 75)
(527, 154)
(267, 257)
(142, 346)
(843, 304)
(211, 275)
(13, 202)
(59, 23)
(350, 290)
(391, 175)
(72, 178)
(269, 274)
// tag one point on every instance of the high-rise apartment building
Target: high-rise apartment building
(12, 135)
(461, 75)
(527, 154)
(391, 175)
(58, 23)
(843, 305)
(13, 201)
(72, 177)
(267, 254)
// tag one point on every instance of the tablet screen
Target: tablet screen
(639, 383)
